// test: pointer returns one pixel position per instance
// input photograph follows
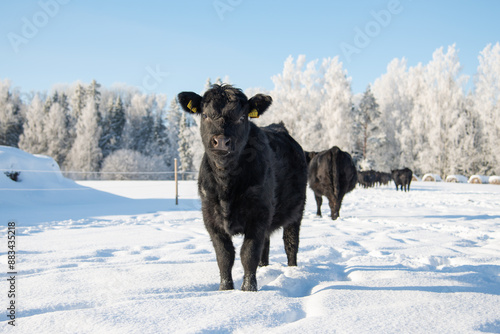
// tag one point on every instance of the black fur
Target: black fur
(402, 178)
(252, 180)
(331, 174)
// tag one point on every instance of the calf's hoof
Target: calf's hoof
(226, 285)
(249, 283)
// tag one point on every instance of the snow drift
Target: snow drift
(35, 171)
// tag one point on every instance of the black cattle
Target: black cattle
(331, 174)
(402, 178)
(370, 178)
(384, 178)
(252, 180)
(367, 178)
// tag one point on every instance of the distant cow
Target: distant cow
(384, 178)
(402, 178)
(367, 178)
(331, 174)
(370, 178)
(252, 180)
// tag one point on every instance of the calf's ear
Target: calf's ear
(258, 104)
(190, 102)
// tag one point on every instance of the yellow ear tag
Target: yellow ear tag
(253, 114)
(190, 106)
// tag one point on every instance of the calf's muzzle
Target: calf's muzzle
(221, 143)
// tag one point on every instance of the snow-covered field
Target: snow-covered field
(121, 257)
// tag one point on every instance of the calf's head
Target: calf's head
(224, 112)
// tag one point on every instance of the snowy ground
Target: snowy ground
(121, 257)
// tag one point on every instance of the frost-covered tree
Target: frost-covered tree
(441, 101)
(174, 115)
(314, 102)
(105, 140)
(33, 138)
(160, 143)
(445, 105)
(289, 95)
(139, 125)
(117, 122)
(145, 134)
(56, 132)
(78, 101)
(185, 145)
(112, 127)
(395, 102)
(487, 106)
(336, 106)
(85, 154)
(372, 136)
(93, 91)
(11, 118)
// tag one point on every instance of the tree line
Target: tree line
(422, 117)
(95, 133)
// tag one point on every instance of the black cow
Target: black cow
(367, 178)
(252, 180)
(370, 178)
(402, 178)
(384, 178)
(331, 174)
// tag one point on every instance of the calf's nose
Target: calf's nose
(221, 142)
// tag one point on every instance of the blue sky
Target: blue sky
(172, 46)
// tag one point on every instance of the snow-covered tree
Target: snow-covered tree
(93, 91)
(33, 139)
(185, 144)
(139, 125)
(78, 101)
(56, 132)
(289, 99)
(372, 137)
(112, 127)
(160, 143)
(336, 106)
(314, 103)
(174, 115)
(440, 100)
(85, 154)
(11, 118)
(487, 106)
(395, 102)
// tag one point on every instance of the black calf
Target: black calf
(252, 180)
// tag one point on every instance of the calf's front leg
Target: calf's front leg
(264, 259)
(224, 251)
(251, 252)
